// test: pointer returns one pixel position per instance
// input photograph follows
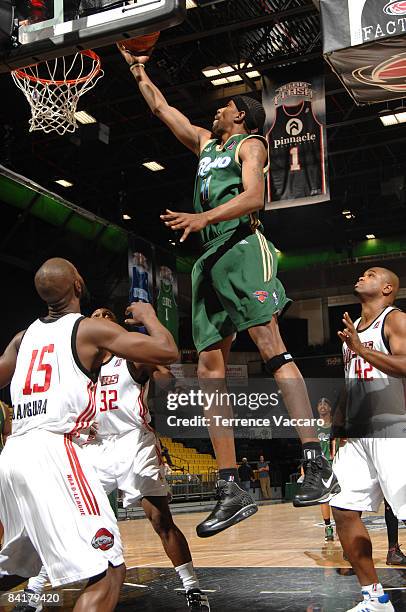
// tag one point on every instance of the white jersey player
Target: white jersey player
(127, 456)
(370, 466)
(52, 506)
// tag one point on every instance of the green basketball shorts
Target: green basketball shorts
(234, 287)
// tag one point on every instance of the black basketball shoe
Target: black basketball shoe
(233, 505)
(197, 601)
(319, 484)
(395, 556)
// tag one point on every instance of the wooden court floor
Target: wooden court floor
(285, 544)
(278, 535)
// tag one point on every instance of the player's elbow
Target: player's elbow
(255, 201)
(160, 110)
(169, 354)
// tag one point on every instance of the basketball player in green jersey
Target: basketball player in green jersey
(328, 448)
(166, 306)
(234, 284)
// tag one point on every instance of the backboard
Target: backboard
(45, 29)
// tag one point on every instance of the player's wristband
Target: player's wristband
(137, 65)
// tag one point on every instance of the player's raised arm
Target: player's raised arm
(97, 335)
(393, 364)
(192, 136)
(8, 360)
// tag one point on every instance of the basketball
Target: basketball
(141, 44)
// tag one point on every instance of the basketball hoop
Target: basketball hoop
(53, 89)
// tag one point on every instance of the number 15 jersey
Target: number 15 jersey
(50, 388)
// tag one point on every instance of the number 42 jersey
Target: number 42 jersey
(50, 388)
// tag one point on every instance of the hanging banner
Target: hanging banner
(140, 266)
(166, 283)
(364, 41)
(295, 128)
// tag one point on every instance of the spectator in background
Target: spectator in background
(264, 480)
(165, 453)
(328, 448)
(246, 474)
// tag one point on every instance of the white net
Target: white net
(53, 89)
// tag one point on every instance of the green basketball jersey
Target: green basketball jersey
(218, 180)
(167, 309)
(323, 434)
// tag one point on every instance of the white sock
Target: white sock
(186, 573)
(37, 584)
(373, 590)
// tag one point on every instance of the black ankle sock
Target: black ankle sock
(392, 526)
(313, 446)
(327, 522)
(229, 474)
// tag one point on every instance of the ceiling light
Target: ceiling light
(222, 81)
(210, 71)
(224, 69)
(234, 78)
(350, 216)
(401, 117)
(126, 217)
(64, 183)
(84, 117)
(388, 120)
(370, 236)
(154, 166)
(254, 74)
(190, 4)
(346, 212)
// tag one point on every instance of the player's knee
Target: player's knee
(117, 575)
(276, 362)
(205, 370)
(162, 524)
(343, 517)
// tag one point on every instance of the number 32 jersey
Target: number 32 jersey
(50, 389)
(121, 400)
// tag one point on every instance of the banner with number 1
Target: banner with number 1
(295, 128)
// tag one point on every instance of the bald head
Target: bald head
(378, 283)
(57, 280)
(391, 279)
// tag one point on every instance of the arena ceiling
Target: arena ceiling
(366, 160)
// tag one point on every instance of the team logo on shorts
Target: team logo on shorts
(103, 539)
(261, 296)
(275, 297)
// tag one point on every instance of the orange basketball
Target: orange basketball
(141, 44)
